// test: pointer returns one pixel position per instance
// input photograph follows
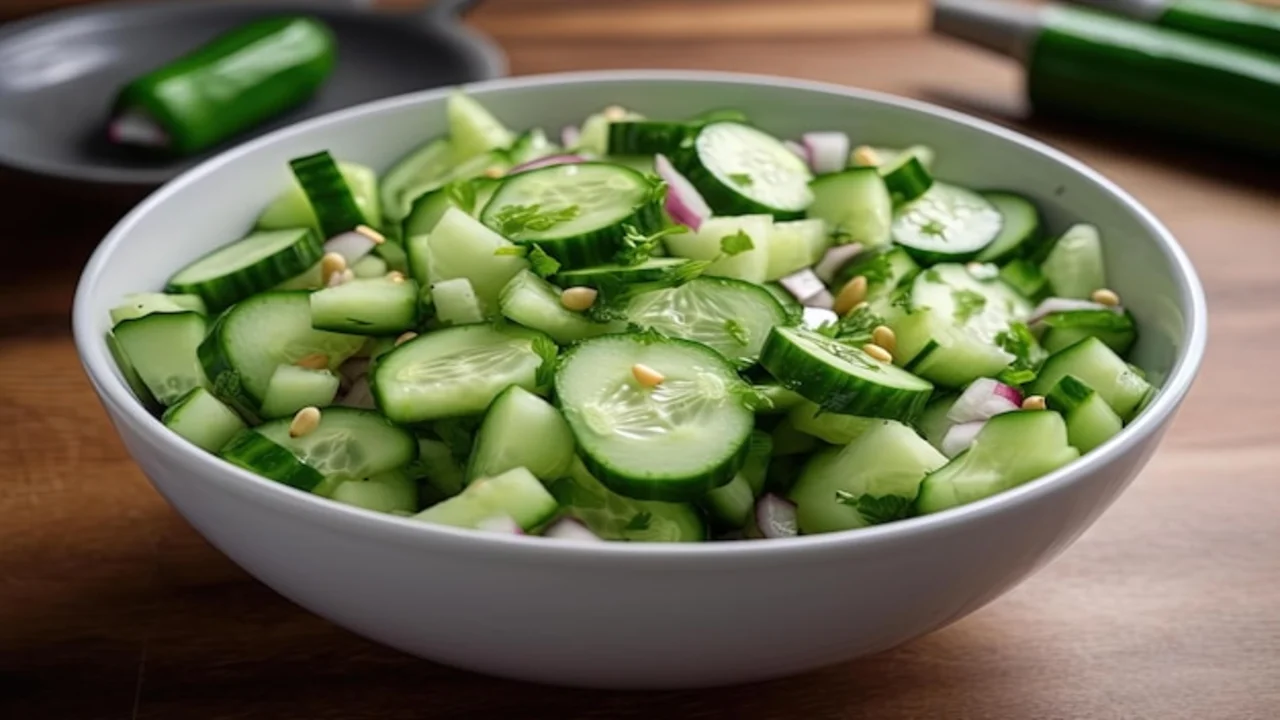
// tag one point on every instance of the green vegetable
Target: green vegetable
(233, 83)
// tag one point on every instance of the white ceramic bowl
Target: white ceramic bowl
(632, 615)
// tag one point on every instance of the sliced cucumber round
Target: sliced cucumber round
(1021, 231)
(578, 214)
(743, 171)
(258, 262)
(983, 307)
(673, 441)
(843, 379)
(948, 223)
(258, 454)
(347, 443)
(730, 316)
(247, 343)
(458, 371)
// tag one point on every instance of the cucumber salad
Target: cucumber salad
(641, 329)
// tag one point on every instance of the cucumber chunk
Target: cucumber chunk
(532, 145)
(291, 209)
(871, 481)
(647, 137)
(931, 345)
(469, 196)
(522, 430)
(652, 274)
(579, 214)
(673, 441)
(1090, 361)
(740, 170)
(1025, 277)
(1011, 449)
(984, 308)
(1021, 228)
(906, 176)
(462, 247)
(332, 200)
(759, 454)
(439, 465)
(423, 166)
(772, 398)
(835, 428)
(1090, 420)
(615, 517)
(348, 443)
(292, 388)
(729, 316)
(730, 506)
(794, 246)
(842, 379)
(131, 376)
(456, 302)
(378, 306)
(855, 205)
(473, 130)
(947, 224)
(458, 371)
(748, 237)
(389, 492)
(256, 263)
(1074, 266)
(535, 303)
(934, 423)
(248, 342)
(138, 305)
(370, 266)
(1064, 329)
(202, 419)
(516, 494)
(162, 350)
(260, 455)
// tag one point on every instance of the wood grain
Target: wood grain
(111, 606)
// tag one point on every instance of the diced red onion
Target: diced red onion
(803, 285)
(800, 151)
(1056, 305)
(359, 396)
(822, 301)
(350, 245)
(502, 524)
(835, 259)
(571, 529)
(569, 136)
(776, 517)
(684, 202)
(137, 128)
(547, 161)
(828, 151)
(984, 399)
(960, 437)
(815, 318)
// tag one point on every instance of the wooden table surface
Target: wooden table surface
(112, 607)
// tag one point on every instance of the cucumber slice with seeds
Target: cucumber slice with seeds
(984, 308)
(842, 379)
(348, 443)
(458, 371)
(256, 263)
(162, 349)
(946, 224)
(578, 214)
(672, 442)
(248, 342)
(741, 170)
(729, 316)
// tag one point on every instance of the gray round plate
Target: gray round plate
(59, 72)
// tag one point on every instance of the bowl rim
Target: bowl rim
(387, 528)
